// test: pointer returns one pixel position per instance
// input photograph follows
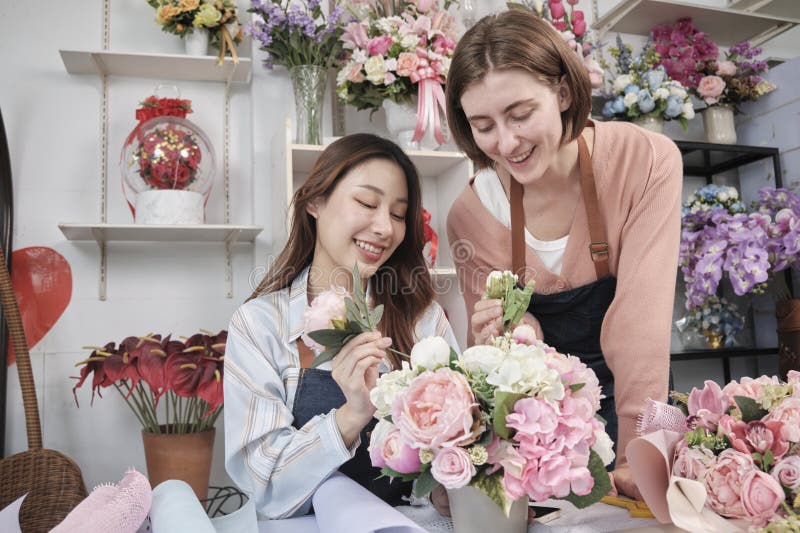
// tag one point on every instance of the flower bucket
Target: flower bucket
(474, 512)
(647, 122)
(180, 456)
(196, 43)
(719, 126)
(787, 313)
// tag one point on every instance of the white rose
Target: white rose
(410, 41)
(430, 353)
(374, 69)
(662, 93)
(687, 110)
(621, 82)
(481, 358)
(630, 99)
(603, 445)
(387, 388)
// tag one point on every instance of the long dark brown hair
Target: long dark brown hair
(515, 39)
(402, 284)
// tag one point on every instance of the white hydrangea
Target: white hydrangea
(387, 388)
(662, 93)
(687, 111)
(603, 445)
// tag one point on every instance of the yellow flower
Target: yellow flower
(208, 16)
(165, 13)
(188, 5)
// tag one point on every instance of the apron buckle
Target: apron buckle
(599, 251)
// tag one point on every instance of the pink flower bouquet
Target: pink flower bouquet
(736, 455)
(512, 419)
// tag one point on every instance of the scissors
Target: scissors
(636, 508)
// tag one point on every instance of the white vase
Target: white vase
(718, 123)
(647, 122)
(401, 121)
(169, 206)
(474, 512)
(196, 43)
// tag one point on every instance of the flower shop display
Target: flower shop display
(691, 57)
(641, 90)
(571, 24)
(200, 23)
(300, 37)
(732, 456)
(167, 164)
(396, 58)
(174, 389)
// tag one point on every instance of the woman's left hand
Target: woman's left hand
(529, 320)
(622, 483)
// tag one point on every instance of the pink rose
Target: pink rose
(708, 404)
(761, 496)
(787, 472)
(693, 463)
(710, 88)
(398, 455)
(452, 467)
(788, 412)
(724, 481)
(379, 45)
(726, 68)
(326, 308)
(437, 410)
(407, 63)
(376, 438)
(793, 378)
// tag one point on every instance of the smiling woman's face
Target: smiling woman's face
(516, 120)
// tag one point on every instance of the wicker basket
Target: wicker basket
(51, 480)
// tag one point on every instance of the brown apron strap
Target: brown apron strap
(598, 246)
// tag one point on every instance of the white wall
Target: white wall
(53, 124)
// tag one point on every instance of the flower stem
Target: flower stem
(132, 408)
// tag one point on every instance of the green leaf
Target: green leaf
(352, 312)
(330, 338)
(453, 357)
(425, 484)
(375, 315)
(751, 409)
(575, 387)
(492, 486)
(504, 404)
(325, 356)
(602, 483)
(515, 5)
(394, 473)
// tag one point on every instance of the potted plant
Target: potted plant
(174, 389)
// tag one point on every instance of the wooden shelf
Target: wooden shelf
(779, 8)
(708, 159)
(691, 355)
(102, 233)
(725, 26)
(428, 162)
(157, 66)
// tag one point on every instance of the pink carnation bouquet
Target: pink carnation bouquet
(736, 455)
(514, 418)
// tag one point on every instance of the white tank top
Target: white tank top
(490, 191)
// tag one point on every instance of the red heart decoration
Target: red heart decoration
(42, 281)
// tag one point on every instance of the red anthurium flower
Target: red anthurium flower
(95, 365)
(150, 362)
(122, 363)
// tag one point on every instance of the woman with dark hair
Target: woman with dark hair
(288, 426)
(589, 211)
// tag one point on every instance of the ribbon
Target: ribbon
(227, 43)
(430, 98)
(429, 235)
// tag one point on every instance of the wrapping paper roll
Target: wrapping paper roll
(176, 509)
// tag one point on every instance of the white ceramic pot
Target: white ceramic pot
(718, 123)
(647, 122)
(196, 43)
(169, 207)
(474, 512)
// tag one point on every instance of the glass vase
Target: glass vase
(308, 84)
(718, 124)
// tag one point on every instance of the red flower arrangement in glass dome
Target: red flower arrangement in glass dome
(170, 385)
(168, 157)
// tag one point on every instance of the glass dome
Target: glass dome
(168, 153)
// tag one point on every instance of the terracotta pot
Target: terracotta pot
(788, 315)
(186, 457)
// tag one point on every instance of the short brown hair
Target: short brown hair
(515, 39)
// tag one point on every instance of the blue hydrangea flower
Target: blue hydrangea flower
(646, 103)
(674, 107)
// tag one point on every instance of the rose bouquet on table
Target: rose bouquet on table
(171, 386)
(512, 419)
(642, 88)
(736, 455)
(571, 24)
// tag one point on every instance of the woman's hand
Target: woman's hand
(530, 320)
(355, 370)
(487, 320)
(622, 483)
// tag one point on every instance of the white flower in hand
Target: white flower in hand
(430, 353)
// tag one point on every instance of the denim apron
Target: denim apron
(317, 393)
(571, 320)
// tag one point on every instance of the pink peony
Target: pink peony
(326, 308)
(748, 387)
(407, 63)
(761, 496)
(710, 88)
(398, 455)
(787, 472)
(788, 412)
(708, 404)
(437, 410)
(452, 467)
(693, 463)
(724, 481)
(726, 68)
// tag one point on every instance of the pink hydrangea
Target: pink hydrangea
(748, 387)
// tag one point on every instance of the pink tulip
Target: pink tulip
(556, 9)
